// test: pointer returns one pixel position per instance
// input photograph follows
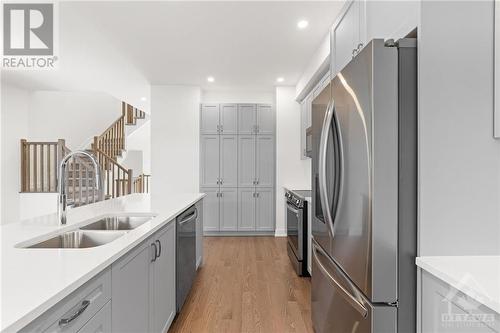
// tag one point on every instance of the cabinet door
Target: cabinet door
(130, 290)
(264, 209)
(246, 160)
(228, 119)
(265, 119)
(211, 209)
(209, 119)
(229, 209)
(247, 118)
(209, 160)
(265, 161)
(229, 160)
(390, 19)
(246, 209)
(346, 36)
(163, 292)
(100, 323)
(199, 234)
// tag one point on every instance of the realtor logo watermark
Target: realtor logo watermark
(29, 36)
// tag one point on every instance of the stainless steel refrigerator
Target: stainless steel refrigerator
(364, 178)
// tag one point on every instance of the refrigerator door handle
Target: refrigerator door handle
(353, 301)
(323, 192)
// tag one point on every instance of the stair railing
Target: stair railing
(141, 183)
(112, 140)
(117, 179)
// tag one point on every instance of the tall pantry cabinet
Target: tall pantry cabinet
(237, 156)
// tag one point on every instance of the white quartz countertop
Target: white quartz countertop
(33, 280)
(475, 276)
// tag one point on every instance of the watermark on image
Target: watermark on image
(30, 35)
(461, 312)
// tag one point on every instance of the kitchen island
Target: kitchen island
(34, 280)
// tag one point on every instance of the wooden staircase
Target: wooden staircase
(40, 161)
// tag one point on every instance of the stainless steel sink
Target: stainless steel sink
(118, 223)
(78, 239)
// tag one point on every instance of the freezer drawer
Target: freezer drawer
(338, 307)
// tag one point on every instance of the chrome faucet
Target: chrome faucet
(61, 187)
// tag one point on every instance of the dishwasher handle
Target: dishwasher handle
(190, 217)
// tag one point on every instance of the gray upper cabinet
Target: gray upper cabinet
(246, 209)
(246, 160)
(209, 160)
(265, 161)
(265, 119)
(264, 209)
(229, 161)
(229, 209)
(209, 119)
(211, 209)
(228, 119)
(131, 278)
(346, 36)
(247, 118)
(163, 280)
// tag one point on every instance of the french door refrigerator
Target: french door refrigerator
(364, 178)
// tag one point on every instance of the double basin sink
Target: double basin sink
(93, 234)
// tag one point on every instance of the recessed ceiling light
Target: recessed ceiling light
(144, 99)
(280, 79)
(210, 79)
(302, 24)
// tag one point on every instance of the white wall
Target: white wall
(291, 171)
(140, 139)
(175, 139)
(459, 199)
(74, 116)
(237, 96)
(14, 114)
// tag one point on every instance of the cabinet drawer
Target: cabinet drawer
(100, 323)
(77, 308)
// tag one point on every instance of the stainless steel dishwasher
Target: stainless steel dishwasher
(185, 254)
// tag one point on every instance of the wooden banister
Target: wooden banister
(118, 179)
(141, 183)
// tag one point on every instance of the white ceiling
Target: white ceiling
(242, 44)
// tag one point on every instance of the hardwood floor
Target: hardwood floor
(246, 284)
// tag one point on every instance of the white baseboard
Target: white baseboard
(280, 233)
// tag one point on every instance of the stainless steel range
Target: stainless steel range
(296, 223)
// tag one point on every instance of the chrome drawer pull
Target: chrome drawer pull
(65, 321)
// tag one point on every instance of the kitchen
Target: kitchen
(345, 179)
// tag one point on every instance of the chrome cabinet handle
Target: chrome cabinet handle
(221, 181)
(360, 46)
(65, 321)
(155, 251)
(355, 303)
(353, 53)
(159, 247)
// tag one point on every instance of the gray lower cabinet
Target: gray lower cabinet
(228, 160)
(143, 285)
(246, 208)
(76, 309)
(209, 160)
(101, 322)
(228, 203)
(264, 216)
(211, 209)
(131, 290)
(445, 309)
(163, 283)
(256, 209)
(220, 209)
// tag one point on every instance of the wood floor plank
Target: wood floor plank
(246, 284)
